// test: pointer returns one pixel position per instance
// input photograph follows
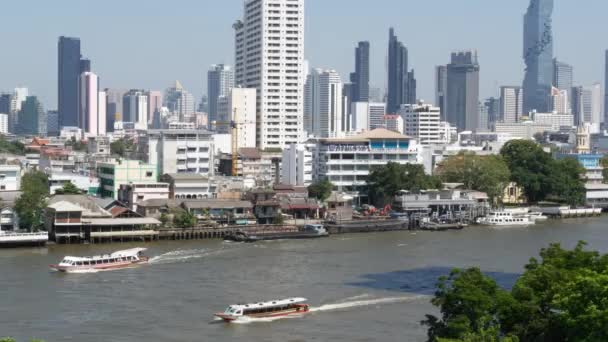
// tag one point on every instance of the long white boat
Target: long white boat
(276, 308)
(505, 218)
(116, 260)
(23, 239)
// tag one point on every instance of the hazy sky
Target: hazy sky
(151, 43)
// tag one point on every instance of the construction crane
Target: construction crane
(234, 125)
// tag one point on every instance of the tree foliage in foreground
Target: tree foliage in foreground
(543, 177)
(10, 339)
(68, 189)
(561, 297)
(30, 205)
(385, 181)
(489, 174)
(122, 147)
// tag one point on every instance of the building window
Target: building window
(148, 174)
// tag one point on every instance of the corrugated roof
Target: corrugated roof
(250, 153)
(120, 221)
(64, 206)
(186, 176)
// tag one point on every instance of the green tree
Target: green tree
(30, 205)
(320, 190)
(278, 219)
(184, 219)
(164, 219)
(530, 168)
(7, 339)
(385, 181)
(122, 147)
(77, 145)
(567, 182)
(489, 174)
(561, 297)
(12, 147)
(68, 189)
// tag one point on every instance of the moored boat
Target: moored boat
(505, 218)
(116, 260)
(277, 308)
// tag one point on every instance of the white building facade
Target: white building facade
(511, 103)
(367, 116)
(269, 56)
(297, 164)
(92, 116)
(323, 114)
(180, 151)
(238, 108)
(422, 121)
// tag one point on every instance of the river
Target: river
(362, 287)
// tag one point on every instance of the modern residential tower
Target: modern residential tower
(538, 55)
(323, 112)
(511, 103)
(269, 56)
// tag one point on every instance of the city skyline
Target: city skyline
(122, 65)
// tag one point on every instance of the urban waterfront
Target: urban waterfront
(362, 287)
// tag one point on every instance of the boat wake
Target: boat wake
(182, 255)
(348, 303)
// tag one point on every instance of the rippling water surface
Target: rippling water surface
(368, 287)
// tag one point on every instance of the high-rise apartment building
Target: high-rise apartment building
(538, 55)
(155, 103)
(16, 101)
(360, 78)
(401, 82)
(68, 77)
(463, 91)
(114, 108)
(492, 106)
(239, 107)
(560, 102)
(269, 57)
(52, 123)
(422, 121)
(92, 113)
(367, 116)
(220, 79)
(323, 100)
(562, 75)
(511, 104)
(135, 108)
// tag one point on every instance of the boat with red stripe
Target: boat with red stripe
(116, 260)
(276, 308)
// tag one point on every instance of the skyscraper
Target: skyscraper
(220, 79)
(562, 75)
(401, 83)
(323, 102)
(586, 104)
(32, 117)
(92, 117)
(114, 108)
(269, 56)
(135, 108)
(492, 106)
(463, 91)
(155, 103)
(441, 87)
(511, 104)
(68, 77)
(179, 101)
(360, 78)
(606, 88)
(538, 55)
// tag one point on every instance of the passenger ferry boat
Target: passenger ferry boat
(277, 308)
(505, 218)
(117, 260)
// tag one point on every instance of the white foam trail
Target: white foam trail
(182, 255)
(359, 303)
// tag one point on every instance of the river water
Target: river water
(362, 287)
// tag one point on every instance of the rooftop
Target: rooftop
(186, 176)
(216, 204)
(378, 133)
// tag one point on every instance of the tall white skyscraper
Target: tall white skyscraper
(135, 108)
(19, 95)
(560, 102)
(323, 104)
(269, 56)
(92, 106)
(511, 103)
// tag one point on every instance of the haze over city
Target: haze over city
(149, 44)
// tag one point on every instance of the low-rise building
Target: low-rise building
(221, 211)
(10, 177)
(297, 164)
(347, 162)
(136, 192)
(188, 186)
(87, 183)
(123, 171)
(180, 151)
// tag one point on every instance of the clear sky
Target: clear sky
(150, 43)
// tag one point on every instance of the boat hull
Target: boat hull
(102, 267)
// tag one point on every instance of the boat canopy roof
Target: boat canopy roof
(270, 304)
(119, 254)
